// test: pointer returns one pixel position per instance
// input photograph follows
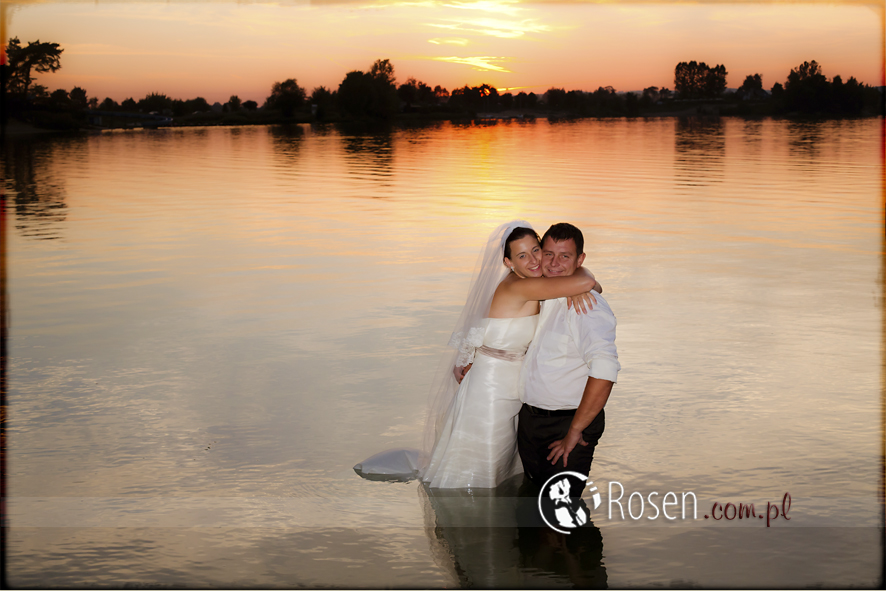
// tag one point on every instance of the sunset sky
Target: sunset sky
(218, 48)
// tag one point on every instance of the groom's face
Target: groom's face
(559, 259)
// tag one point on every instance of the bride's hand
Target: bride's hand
(461, 372)
(584, 302)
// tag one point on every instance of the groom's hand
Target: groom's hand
(563, 447)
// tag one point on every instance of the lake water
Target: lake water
(210, 326)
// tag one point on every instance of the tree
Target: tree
(577, 101)
(59, 97)
(92, 103)
(408, 91)
(474, 98)
(851, 97)
(805, 71)
(383, 71)
(250, 105)
(37, 56)
(369, 95)
(195, 105)
(155, 102)
(715, 81)
(688, 79)
(751, 88)
(465, 98)
(606, 101)
(384, 90)
(321, 95)
(287, 96)
(323, 99)
(520, 100)
(555, 98)
(697, 80)
(234, 103)
(39, 93)
(425, 93)
(632, 104)
(78, 97)
(807, 89)
(488, 96)
(109, 104)
(649, 97)
(414, 91)
(848, 97)
(752, 83)
(354, 94)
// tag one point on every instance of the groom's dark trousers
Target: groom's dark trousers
(538, 428)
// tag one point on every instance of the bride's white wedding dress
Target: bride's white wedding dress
(470, 435)
(477, 446)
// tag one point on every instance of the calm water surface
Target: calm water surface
(210, 327)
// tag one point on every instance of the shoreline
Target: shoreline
(17, 128)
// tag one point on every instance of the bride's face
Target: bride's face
(525, 257)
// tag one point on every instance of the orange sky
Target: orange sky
(218, 48)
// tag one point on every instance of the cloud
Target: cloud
(460, 41)
(493, 27)
(481, 63)
(508, 7)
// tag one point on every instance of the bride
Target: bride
(470, 436)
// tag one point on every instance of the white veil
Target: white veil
(468, 334)
(405, 464)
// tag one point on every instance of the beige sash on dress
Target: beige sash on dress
(501, 353)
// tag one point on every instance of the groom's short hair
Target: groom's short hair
(564, 231)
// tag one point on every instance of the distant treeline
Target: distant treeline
(375, 94)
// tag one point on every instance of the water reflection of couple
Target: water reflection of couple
(553, 369)
(495, 538)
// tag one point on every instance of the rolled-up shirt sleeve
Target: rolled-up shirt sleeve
(595, 336)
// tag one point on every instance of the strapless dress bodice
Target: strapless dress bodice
(510, 334)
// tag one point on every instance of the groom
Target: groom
(568, 372)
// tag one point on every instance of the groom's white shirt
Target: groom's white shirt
(567, 349)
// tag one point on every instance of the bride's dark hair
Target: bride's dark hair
(516, 235)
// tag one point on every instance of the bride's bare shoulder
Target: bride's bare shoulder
(506, 284)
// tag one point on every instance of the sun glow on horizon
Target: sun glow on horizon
(220, 48)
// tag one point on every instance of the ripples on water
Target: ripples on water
(211, 326)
